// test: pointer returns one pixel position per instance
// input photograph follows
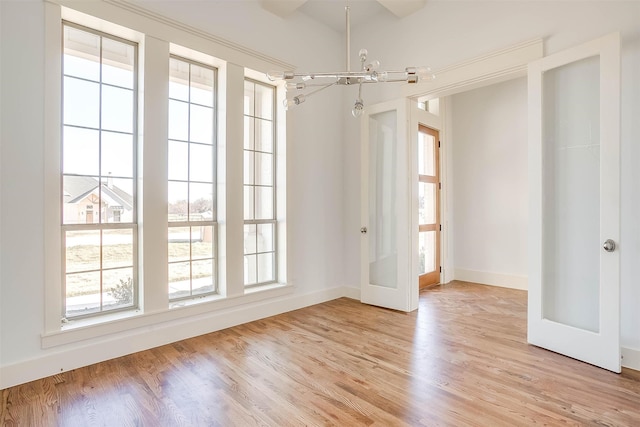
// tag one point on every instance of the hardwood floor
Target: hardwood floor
(461, 359)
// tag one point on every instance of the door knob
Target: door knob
(363, 230)
(609, 245)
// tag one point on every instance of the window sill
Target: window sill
(87, 329)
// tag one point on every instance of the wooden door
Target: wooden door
(429, 225)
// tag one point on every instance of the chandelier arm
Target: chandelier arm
(313, 92)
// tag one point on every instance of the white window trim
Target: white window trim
(150, 32)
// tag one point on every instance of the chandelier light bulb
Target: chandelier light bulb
(280, 75)
(295, 85)
(373, 65)
(363, 54)
(425, 74)
(358, 108)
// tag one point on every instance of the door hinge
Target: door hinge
(438, 144)
(440, 269)
(440, 227)
(439, 186)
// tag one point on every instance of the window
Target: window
(192, 179)
(259, 184)
(99, 219)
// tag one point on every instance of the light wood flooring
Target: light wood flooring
(460, 360)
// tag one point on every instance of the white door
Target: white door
(574, 184)
(388, 270)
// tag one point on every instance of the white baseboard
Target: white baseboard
(493, 279)
(78, 355)
(631, 358)
(353, 293)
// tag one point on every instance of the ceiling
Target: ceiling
(331, 12)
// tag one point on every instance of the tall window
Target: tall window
(192, 180)
(259, 184)
(99, 229)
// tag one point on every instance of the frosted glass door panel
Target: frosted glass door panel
(571, 194)
(383, 264)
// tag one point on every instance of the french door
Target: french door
(428, 206)
(574, 186)
(388, 269)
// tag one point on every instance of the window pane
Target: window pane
(117, 109)
(202, 276)
(250, 238)
(117, 248)
(82, 54)
(249, 98)
(117, 63)
(201, 163)
(264, 102)
(248, 202)
(426, 154)
(178, 195)
(117, 287)
(427, 252)
(201, 122)
(179, 241)
(81, 103)
(117, 200)
(202, 241)
(80, 151)
(179, 280)
(264, 169)
(82, 293)
(264, 136)
(202, 83)
(200, 202)
(178, 120)
(249, 167)
(178, 159)
(265, 238)
(250, 270)
(265, 268)
(82, 250)
(426, 203)
(178, 79)
(249, 135)
(264, 202)
(84, 67)
(117, 154)
(81, 200)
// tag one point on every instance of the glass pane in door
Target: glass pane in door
(426, 252)
(426, 203)
(571, 194)
(382, 199)
(426, 158)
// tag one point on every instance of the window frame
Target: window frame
(157, 39)
(274, 173)
(188, 223)
(100, 226)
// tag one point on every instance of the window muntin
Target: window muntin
(192, 211)
(99, 209)
(259, 184)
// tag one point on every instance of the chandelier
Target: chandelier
(369, 72)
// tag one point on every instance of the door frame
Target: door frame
(420, 117)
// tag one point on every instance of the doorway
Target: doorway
(429, 225)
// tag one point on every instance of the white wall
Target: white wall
(488, 142)
(445, 33)
(315, 223)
